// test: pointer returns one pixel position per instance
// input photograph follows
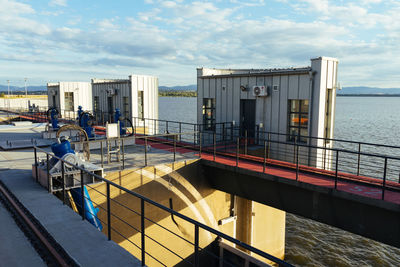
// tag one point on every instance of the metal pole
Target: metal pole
(142, 232)
(63, 180)
(36, 164)
(144, 126)
(102, 155)
(215, 146)
(223, 131)
(108, 212)
(231, 130)
(49, 184)
(200, 143)
(180, 131)
(82, 197)
(258, 134)
(245, 142)
(194, 135)
(196, 246)
(123, 154)
(384, 180)
(269, 145)
(359, 158)
(297, 162)
(265, 155)
(237, 152)
(336, 171)
(145, 151)
(134, 125)
(174, 148)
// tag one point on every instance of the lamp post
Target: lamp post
(26, 95)
(8, 83)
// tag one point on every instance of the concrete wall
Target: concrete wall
(192, 196)
(23, 103)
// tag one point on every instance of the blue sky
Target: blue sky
(72, 40)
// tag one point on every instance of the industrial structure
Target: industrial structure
(66, 97)
(285, 105)
(136, 96)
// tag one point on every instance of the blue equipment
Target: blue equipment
(85, 121)
(90, 210)
(117, 117)
(60, 150)
(54, 118)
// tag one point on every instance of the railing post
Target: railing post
(359, 158)
(297, 162)
(245, 142)
(123, 154)
(196, 246)
(134, 125)
(102, 154)
(336, 171)
(108, 212)
(237, 152)
(231, 130)
(200, 143)
(63, 181)
(384, 179)
(269, 145)
(180, 131)
(194, 134)
(142, 232)
(223, 131)
(215, 145)
(36, 164)
(49, 183)
(145, 151)
(265, 155)
(258, 134)
(82, 197)
(144, 126)
(174, 148)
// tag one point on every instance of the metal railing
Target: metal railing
(194, 259)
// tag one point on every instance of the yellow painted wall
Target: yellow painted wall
(191, 196)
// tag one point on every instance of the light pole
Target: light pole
(8, 83)
(26, 95)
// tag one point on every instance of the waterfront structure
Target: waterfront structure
(135, 97)
(67, 96)
(291, 104)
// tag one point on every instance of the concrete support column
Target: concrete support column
(244, 221)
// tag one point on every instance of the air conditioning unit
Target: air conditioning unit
(111, 91)
(53, 92)
(260, 90)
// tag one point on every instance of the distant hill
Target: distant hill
(363, 90)
(4, 88)
(192, 87)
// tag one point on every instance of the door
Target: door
(248, 117)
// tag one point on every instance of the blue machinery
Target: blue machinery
(118, 117)
(85, 120)
(61, 149)
(53, 118)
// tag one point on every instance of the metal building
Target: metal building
(67, 96)
(281, 105)
(136, 97)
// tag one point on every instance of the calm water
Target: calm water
(308, 243)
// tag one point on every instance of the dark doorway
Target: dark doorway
(247, 117)
(110, 107)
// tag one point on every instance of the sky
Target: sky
(75, 40)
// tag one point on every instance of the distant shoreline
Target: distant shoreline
(370, 95)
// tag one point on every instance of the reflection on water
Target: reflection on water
(309, 243)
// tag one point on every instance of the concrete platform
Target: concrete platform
(15, 249)
(80, 239)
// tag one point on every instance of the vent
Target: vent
(275, 88)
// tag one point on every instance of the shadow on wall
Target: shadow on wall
(185, 190)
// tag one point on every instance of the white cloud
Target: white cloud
(58, 3)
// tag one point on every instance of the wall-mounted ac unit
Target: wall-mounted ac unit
(111, 91)
(53, 92)
(260, 90)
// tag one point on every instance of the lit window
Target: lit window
(69, 101)
(126, 107)
(298, 120)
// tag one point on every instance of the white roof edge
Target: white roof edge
(142, 75)
(325, 58)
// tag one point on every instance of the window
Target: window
(298, 120)
(209, 113)
(126, 107)
(96, 104)
(69, 101)
(140, 105)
